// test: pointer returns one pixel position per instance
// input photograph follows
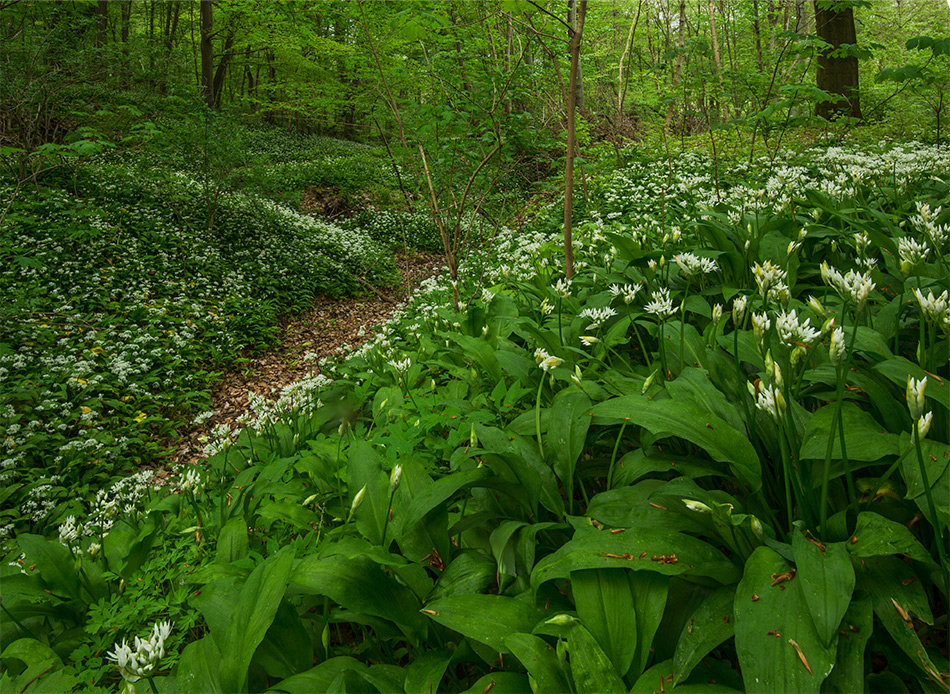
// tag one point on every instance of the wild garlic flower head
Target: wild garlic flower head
(540, 355)
(861, 242)
(191, 481)
(837, 347)
(402, 366)
(923, 426)
(589, 340)
(738, 309)
(716, 313)
(395, 477)
(550, 363)
(563, 288)
(792, 331)
(660, 305)
(770, 400)
(545, 307)
(760, 324)
(770, 278)
(816, 307)
(577, 376)
(68, 531)
(597, 316)
(854, 286)
(691, 264)
(628, 291)
(134, 664)
(935, 308)
(911, 252)
(916, 400)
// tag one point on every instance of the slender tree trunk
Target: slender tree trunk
(207, 52)
(578, 83)
(716, 59)
(102, 22)
(678, 70)
(621, 83)
(756, 30)
(837, 75)
(578, 32)
(222, 70)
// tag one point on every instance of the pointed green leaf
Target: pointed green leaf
(864, 438)
(711, 624)
(639, 549)
(55, 563)
(365, 471)
(827, 581)
(849, 672)
(232, 542)
(541, 662)
(692, 423)
(488, 619)
(253, 614)
(650, 591)
(605, 606)
(770, 621)
(592, 670)
(424, 674)
(568, 422)
(876, 536)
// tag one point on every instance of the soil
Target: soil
(319, 331)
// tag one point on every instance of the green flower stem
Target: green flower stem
(339, 478)
(613, 458)
(537, 417)
(662, 346)
(683, 327)
(643, 349)
(938, 537)
(826, 470)
(787, 478)
(151, 684)
(16, 621)
(389, 509)
(560, 320)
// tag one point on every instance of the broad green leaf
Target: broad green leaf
(898, 369)
(693, 386)
(365, 471)
(936, 456)
(232, 541)
(500, 683)
(523, 452)
(468, 572)
(605, 606)
(692, 423)
(488, 619)
(482, 352)
(418, 540)
(424, 674)
(541, 662)
(892, 583)
(290, 512)
(287, 648)
(198, 668)
(362, 587)
(650, 591)
(770, 621)
(340, 674)
(639, 549)
(568, 422)
(711, 624)
(827, 581)
(55, 563)
(865, 439)
(629, 507)
(657, 678)
(591, 668)
(876, 536)
(503, 541)
(856, 627)
(441, 490)
(253, 614)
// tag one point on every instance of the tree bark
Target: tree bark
(836, 75)
(578, 32)
(207, 52)
(578, 83)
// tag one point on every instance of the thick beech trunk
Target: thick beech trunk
(837, 74)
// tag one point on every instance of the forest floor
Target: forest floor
(316, 333)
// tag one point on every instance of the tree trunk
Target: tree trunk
(578, 83)
(678, 70)
(716, 59)
(836, 75)
(758, 34)
(218, 83)
(102, 22)
(578, 32)
(207, 52)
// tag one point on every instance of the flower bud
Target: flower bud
(923, 425)
(816, 307)
(357, 501)
(916, 401)
(697, 506)
(395, 477)
(561, 620)
(649, 382)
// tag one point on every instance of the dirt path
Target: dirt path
(317, 333)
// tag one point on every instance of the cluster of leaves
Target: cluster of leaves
(596, 485)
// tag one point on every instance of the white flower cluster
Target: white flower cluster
(660, 304)
(854, 286)
(597, 316)
(134, 664)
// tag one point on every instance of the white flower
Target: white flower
(141, 662)
(68, 531)
(935, 308)
(401, 367)
(628, 291)
(855, 286)
(916, 400)
(837, 346)
(545, 307)
(540, 355)
(791, 331)
(770, 278)
(923, 425)
(760, 323)
(551, 363)
(691, 264)
(577, 376)
(395, 478)
(816, 307)
(661, 305)
(697, 506)
(563, 288)
(911, 251)
(598, 316)
(861, 242)
(771, 400)
(589, 340)
(716, 313)
(738, 309)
